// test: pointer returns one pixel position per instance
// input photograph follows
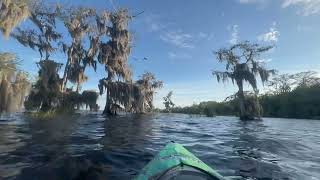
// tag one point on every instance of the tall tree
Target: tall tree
(243, 64)
(168, 102)
(43, 37)
(14, 84)
(114, 54)
(148, 84)
(77, 22)
(8, 67)
(12, 12)
(282, 83)
(45, 94)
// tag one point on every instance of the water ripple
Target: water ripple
(92, 146)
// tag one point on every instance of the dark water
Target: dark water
(91, 146)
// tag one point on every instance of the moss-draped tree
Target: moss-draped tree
(43, 37)
(77, 22)
(14, 84)
(168, 103)
(12, 12)
(243, 65)
(114, 54)
(147, 85)
(110, 45)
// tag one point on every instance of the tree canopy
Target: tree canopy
(12, 12)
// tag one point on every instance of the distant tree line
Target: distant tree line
(288, 96)
(293, 96)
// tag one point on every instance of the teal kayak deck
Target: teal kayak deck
(174, 155)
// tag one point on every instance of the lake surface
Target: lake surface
(90, 146)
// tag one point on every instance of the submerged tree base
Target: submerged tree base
(51, 114)
(249, 118)
(42, 115)
(109, 112)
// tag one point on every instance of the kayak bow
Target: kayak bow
(176, 162)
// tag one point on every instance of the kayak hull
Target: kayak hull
(175, 156)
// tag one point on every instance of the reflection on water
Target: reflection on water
(90, 146)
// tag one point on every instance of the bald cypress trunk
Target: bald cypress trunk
(245, 112)
(107, 109)
(259, 109)
(241, 98)
(65, 76)
(4, 85)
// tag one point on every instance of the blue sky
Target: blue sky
(179, 36)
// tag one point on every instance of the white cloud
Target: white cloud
(206, 36)
(175, 55)
(153, 23)
(234, 34)
(203, 35)
(178, 38)
(155, 26)
(308, 7)
(182, 39)
(271, 36)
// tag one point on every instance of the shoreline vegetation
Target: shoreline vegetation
(88, 38)
(289, 96)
